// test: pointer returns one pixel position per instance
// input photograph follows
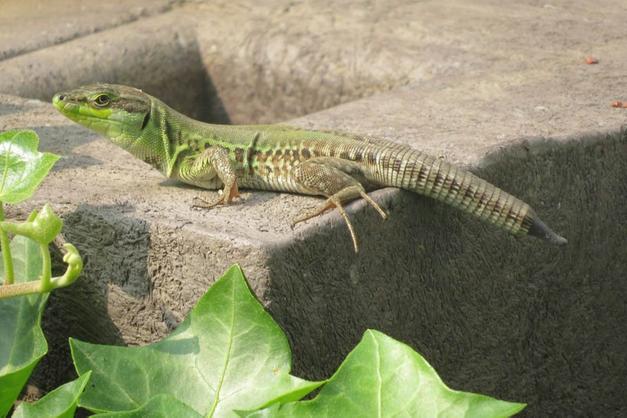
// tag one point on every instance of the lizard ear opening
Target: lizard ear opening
(145, 121)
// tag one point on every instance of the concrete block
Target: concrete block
(501, 90)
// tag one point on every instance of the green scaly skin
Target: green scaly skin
(340, 167)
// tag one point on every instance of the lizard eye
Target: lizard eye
(102, 100)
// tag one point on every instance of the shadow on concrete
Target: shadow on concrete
(116, 245)
(190, 90)
(114, 251)
(513, 318)
(214, 110)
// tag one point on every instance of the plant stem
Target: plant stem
(19, 289)
(46, 268)
(6, 252)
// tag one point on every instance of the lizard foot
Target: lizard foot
(227, 196)
(199, 202)
(374, 204)
(330, 203)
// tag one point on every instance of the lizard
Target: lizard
(340, 167)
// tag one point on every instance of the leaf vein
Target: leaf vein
(379, 379)
(227, 358)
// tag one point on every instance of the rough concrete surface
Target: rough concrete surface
(35, 24)
(502, 89)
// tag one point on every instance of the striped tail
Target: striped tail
(433, 177)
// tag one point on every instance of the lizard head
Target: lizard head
(118, 112)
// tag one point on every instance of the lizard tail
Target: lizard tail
(540, 230)
(433, 177)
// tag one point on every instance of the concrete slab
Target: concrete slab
(28, 25)
(290, 59)
(501, 90)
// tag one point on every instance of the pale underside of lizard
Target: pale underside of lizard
(340, 167)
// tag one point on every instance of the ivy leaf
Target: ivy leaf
(383, 377)
(60, 403)
(22, 167)
(23, 343)
(227, 355)
(161, 406)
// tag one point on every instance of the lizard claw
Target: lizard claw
(199, 202)
(224, 198)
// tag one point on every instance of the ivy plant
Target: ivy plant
(23, 168)
(26, 265)
(229, 358)
(59, 403)
(383, 377)
(228, 354)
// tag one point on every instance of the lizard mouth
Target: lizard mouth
(80, 113)
(99, 120)
(61, 102)
(68, 109)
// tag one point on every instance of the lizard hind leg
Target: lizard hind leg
(339, 187)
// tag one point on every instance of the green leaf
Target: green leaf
(227, 355)
(383, 377)
(22, 344)
(22, 167)
(60, 403)
(161, 406)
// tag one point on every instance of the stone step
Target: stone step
(501, 90)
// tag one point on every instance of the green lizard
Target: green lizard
(340, 167)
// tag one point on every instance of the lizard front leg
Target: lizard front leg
(322, 176)
(213, 161)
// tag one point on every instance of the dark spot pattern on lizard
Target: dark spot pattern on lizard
(316, 149)
(370, 157)
(259, 156)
